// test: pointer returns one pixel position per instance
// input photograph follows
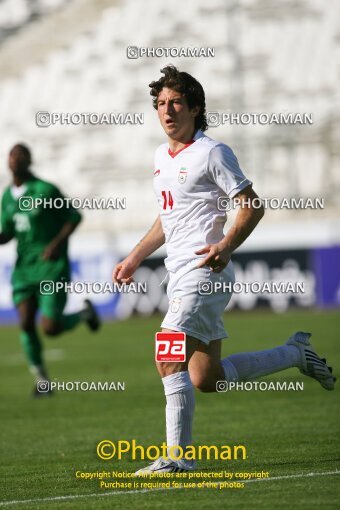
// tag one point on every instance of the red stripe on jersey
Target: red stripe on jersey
(173, 154)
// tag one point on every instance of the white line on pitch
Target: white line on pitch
(118, 493)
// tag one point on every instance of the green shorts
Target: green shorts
(28, 278)
(50, 304)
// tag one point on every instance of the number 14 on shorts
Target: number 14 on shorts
(170, 347)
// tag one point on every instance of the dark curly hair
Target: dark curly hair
(185, 84)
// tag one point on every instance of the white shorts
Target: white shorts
(192, 312)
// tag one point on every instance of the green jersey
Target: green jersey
(34, 226)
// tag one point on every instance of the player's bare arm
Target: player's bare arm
(52, 251)
(153, 240)
(218, 255)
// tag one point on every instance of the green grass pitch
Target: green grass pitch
(289, 434)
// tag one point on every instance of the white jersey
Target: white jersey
(188, 184)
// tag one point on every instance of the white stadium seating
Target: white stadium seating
(280, 57)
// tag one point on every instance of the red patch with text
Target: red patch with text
(170, 347)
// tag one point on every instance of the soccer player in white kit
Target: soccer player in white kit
(191, 172)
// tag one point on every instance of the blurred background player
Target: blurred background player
(191, 172)
(42, 235)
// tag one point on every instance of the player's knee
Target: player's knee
(27, 324)
(51, 331)
(50, 328)
(203, 383)
(205, 386)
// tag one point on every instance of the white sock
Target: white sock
(179, 412)
(38, 372)
(250, 365)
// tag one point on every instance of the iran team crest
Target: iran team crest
(182, 176)
(175, 305)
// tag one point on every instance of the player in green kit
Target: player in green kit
(42, 233)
